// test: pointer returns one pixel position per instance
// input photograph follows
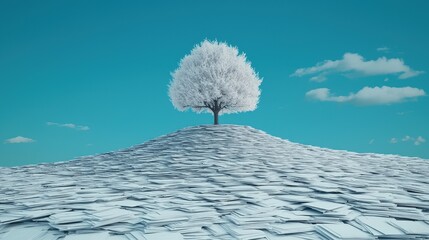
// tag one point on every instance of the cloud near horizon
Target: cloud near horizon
(416, 140)
(383, 49)
(69, 125)
(19, 139)
(353, 64)
(368, 95)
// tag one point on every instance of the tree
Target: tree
(215, 78)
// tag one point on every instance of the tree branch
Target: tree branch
(195, 106)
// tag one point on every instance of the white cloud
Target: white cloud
(69, 125)
(419, 140)
(318, 78)
(369, 96)
(416, 140)
(383, 49)
(353, 64)
(406, 138)
(19, 139)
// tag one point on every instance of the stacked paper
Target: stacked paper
(216, 230)
(164, 217)
(243, 234)
(114, 215)
(342, 231)
(28, 232)
(324, 206)
(411, 227)
(137, 235)
(218, 182)
(290, 227)
(100, 235)
(378, 226)
(67, 217)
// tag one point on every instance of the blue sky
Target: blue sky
(86, 77)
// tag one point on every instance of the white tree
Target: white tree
(215, 78)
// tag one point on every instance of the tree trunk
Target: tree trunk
(216, 117)
(216, 109)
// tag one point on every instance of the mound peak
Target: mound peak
(218, 182)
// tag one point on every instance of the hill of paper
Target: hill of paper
(218, 182)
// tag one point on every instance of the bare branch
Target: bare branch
(190, 106)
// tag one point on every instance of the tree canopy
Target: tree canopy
(215, 78)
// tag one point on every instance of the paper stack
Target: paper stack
(109, 216)
(69, 221)
(137, 235)
(218, 182)
(163, 218)
(290, 228)
(243, 234)
(342, 231)
(411, 227)
(378, 226)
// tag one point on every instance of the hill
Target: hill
(218, 182)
